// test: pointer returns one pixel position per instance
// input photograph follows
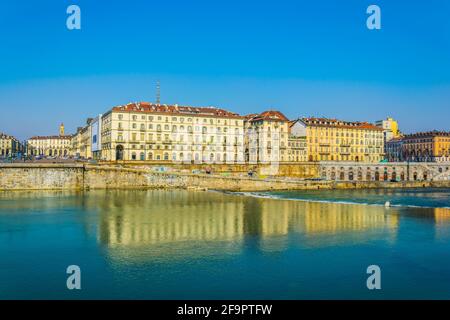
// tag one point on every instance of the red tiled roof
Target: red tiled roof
(270, 115)
(324, 122)
(147, 107)
(429, 134)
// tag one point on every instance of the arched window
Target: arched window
(142, 156)
(166, 156)
(150, 156)
(133, 156)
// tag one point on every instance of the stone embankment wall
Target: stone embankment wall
(79, 176)
(298, 170)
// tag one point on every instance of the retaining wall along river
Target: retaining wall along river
(84, 176)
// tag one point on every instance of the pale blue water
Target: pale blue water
(209, 245)
(431, 198)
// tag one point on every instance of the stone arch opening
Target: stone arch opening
(119, 152)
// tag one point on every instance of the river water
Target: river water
(176, 244)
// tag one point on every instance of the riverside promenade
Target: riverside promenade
(79, 176)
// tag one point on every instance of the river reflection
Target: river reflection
(181, 221)
(234, 245)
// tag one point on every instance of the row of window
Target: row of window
(346, 134)
(338, 141)
(180, 157)
(174, 128)
(168, 139)
(176, 119)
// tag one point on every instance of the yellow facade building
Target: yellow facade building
(426, 146)
(336, 140)
(390, 128)
(172, 133)
(50, 146)
(8, 145)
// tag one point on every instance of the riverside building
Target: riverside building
(266, 137)
(52, 146)
(431, 146)
(337, 140)
(394, 150)
(9, 145)
(297, 143)
(390, 128)
(171, 133)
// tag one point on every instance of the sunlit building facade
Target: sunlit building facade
(9, 145)
(52, 146)
(266, 137)
(390, 128)
(336, 140)
(171, 133)
(427, 146)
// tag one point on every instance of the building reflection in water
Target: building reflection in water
(442, 222)
(197, 223)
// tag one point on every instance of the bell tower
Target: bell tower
(61, 129)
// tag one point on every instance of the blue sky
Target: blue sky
(301, 57)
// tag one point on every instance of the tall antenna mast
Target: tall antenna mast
(158, 93)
